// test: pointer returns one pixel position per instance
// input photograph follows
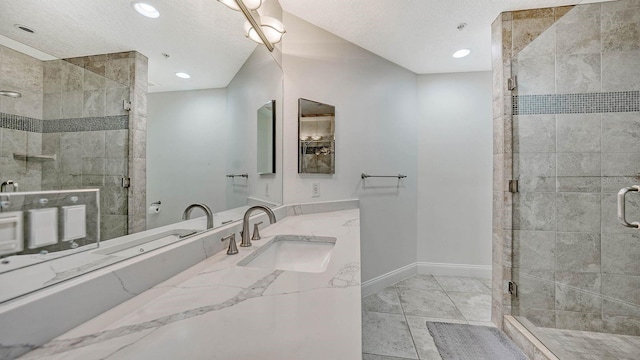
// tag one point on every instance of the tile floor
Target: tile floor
(394, 319)
(586, 345)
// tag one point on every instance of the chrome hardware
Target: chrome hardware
(14, 186)
(513, 288)
(513, 186)
(205, 208)
(233, 249)
(399, 176)
(126, 182)
(512, 83)
(156, 203)
(187, 234)
(126, 105)
(245, 222)
(256, 232)
(621, 207)
(238, 175)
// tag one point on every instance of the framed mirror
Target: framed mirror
(316, 137)
(266, 141)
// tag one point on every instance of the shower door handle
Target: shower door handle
(621, 206)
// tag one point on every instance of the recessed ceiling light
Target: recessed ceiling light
(25, 28)
(145, 9)
(183, 75)
(461, 53)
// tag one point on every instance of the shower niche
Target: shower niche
(316, 137)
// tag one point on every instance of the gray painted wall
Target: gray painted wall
(455, 168)
(186, 152)
(376, 131)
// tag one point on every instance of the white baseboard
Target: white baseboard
(478, 271)
(376, 284)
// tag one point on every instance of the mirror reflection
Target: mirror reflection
(316, 142)
(123, 124)
(267, 138)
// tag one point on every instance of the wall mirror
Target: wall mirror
(75, 127)
(266, 141)
(316, 137)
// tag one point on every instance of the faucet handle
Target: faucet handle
(256, 232)
(233, 249)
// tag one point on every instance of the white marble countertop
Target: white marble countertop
(217, 310)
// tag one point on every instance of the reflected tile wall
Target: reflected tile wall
(572, 260)
(85, 125)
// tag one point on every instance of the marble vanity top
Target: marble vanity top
(218, 310)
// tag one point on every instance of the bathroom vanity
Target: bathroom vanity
(243, 306)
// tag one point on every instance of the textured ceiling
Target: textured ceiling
(419, 35)
(202, 37)
(205, 39)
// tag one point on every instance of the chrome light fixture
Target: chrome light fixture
(272, 29)
(11, 94)
(268, 32)
(233, 5)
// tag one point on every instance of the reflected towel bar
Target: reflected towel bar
(238, 175)
(399, 176)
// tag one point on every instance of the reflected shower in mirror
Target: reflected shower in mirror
(316, 137)
(267, 138)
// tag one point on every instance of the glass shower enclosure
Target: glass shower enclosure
(576, 144)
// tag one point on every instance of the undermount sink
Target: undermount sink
(293, 253)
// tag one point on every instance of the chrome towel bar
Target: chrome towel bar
(238, 175)
(399, 176)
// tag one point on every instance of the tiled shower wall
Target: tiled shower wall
(510, 33)
(576, 144)
(76, 112)
(576, 266)
(24, 74)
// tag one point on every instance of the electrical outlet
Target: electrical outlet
(266, 190)
(315, 190)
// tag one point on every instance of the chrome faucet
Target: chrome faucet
(7, 183)
(207, 210)
(246, 238)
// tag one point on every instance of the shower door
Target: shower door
(576, 144)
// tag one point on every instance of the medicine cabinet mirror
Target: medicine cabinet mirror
(267, 138)
(316, 137)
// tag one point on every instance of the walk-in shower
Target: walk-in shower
(575, 145)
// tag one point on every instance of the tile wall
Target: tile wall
(570, 134)
(74, 108)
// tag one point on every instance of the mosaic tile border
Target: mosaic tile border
(602, 102)
(86, 124)
(16, 122)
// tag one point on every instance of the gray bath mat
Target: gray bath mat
(471, 342)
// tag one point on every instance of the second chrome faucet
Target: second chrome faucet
(246, 237)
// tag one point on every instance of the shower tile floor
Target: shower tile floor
(394, 319)
(586, 345)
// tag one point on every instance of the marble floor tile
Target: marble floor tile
(431, 303)
(385, 301)
(422, 338)
(379, 357)
(387, 334)
(462, 284)
(405, 307)
(425, 282)
(474, 307)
